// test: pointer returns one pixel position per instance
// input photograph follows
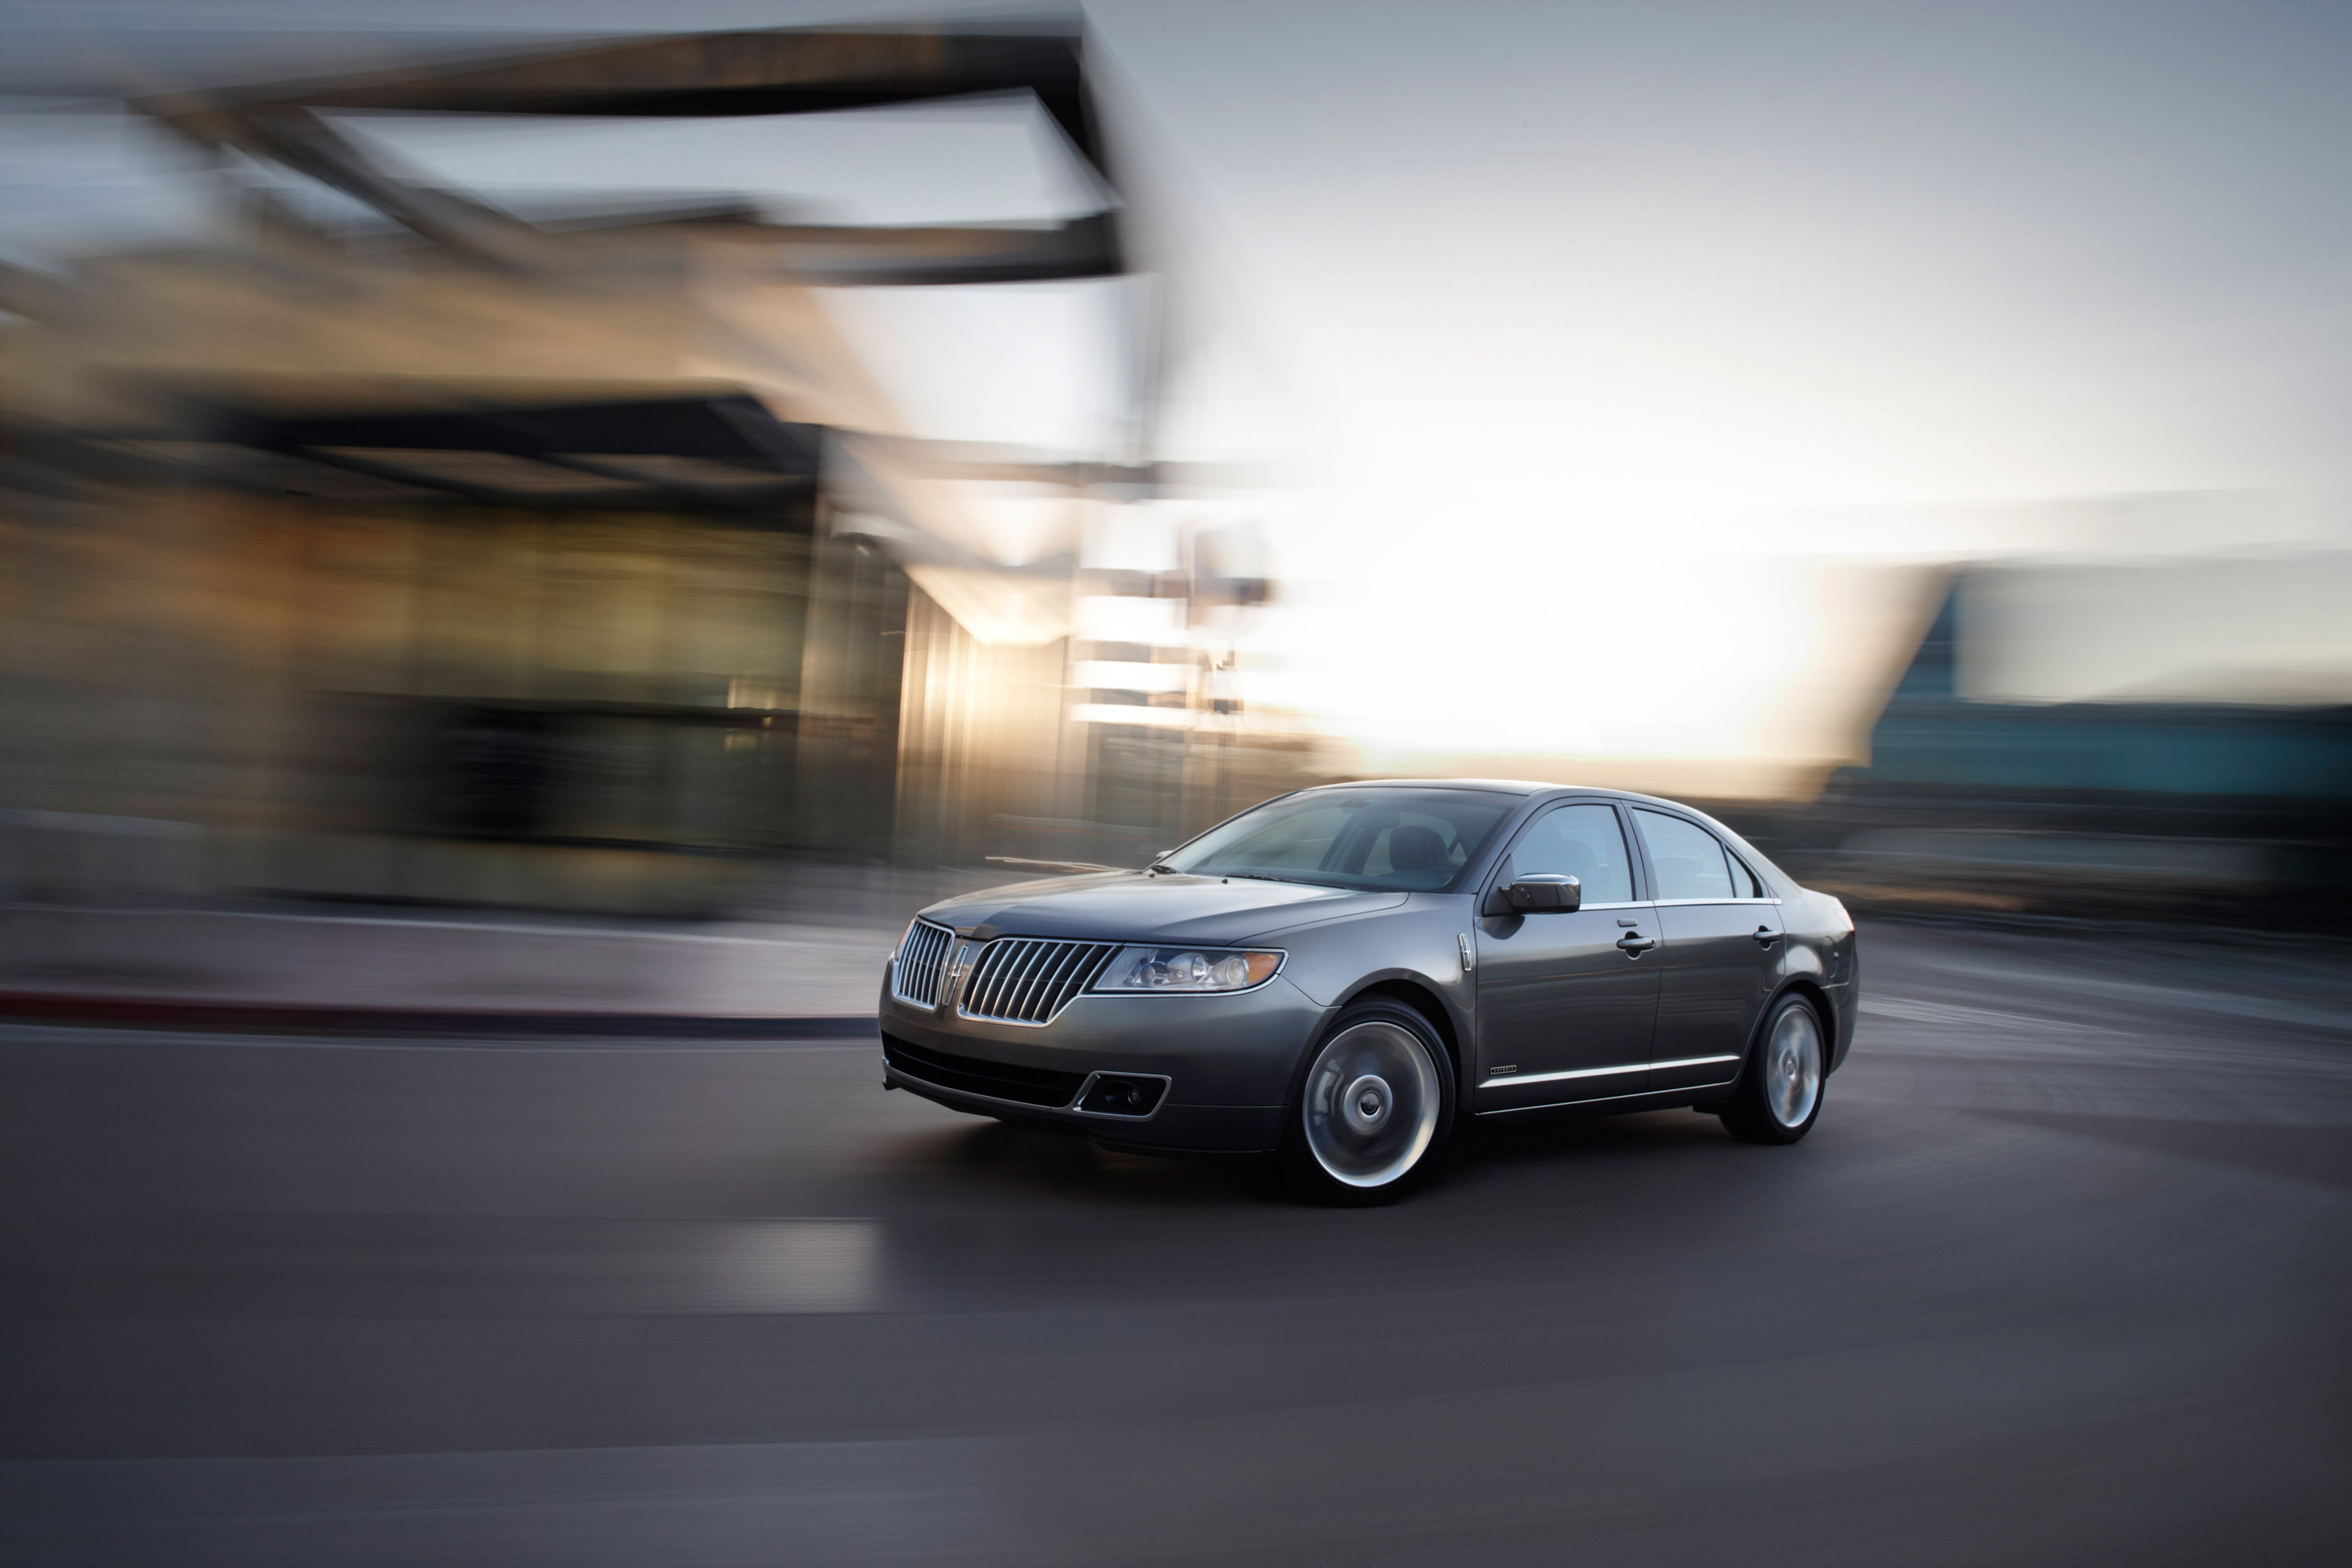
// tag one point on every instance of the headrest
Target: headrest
(1416, 848)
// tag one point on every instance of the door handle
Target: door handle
(1765, 936)
(1632, 944)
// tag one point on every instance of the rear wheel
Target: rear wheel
(1780, 1095)
(1376, 1106)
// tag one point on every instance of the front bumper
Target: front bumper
(1228, 1060)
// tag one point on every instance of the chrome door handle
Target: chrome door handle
(1632, 944)
(1765, 936)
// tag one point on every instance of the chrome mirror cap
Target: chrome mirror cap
(1540, 893)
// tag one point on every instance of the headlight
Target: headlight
(1186, 968)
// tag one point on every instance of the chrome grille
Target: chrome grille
(1027, 979)
(922, 960)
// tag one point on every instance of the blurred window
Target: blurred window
(1689, 863)
(1744, 883)
(1583, 842)
(1416, 843)
(1416, 840)
(1297, 841)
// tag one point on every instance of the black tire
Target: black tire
(1373, 1107)
(1786, 1078)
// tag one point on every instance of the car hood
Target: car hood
(1129, 906)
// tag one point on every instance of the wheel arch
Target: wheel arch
(1406, 991)
(1794, 985)
(1825, 1009)
(1393, 994)
(1421, 999)
(1811, 989)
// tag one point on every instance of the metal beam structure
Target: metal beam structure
(786, 71)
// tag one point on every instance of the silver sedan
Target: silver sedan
(1339, 975)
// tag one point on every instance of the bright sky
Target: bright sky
(1610, 336)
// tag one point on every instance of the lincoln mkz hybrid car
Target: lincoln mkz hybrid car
(1339, 975)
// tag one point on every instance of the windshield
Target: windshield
(1414, 840)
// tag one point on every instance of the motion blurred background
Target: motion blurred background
(606, 471)
(511, 511)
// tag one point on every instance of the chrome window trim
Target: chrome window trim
(1605, 1072)
(1677, 902)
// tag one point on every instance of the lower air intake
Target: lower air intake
(973, 1075)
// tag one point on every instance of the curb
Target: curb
(271, 1017)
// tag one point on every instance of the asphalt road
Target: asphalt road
(2065, 1275)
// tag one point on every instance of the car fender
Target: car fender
(1420, 939)
(1416, 945)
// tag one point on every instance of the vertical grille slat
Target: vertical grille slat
(1028, 980)
(1039, 982)
(1065, 972)
(1006, 1000)
(989, 977)
(922, 958)
(1034, 975)
(991, 983)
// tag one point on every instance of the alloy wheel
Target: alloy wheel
(1792, 1067)
(1372, 1100)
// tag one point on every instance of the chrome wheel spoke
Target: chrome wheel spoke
(1371, 1104)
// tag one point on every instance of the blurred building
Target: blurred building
(2204, 789)
(434, 553)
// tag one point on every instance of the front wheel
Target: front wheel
(1374, 1109)
(1780, 1095)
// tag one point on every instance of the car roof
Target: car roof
(1525, 788)
(1497, 786)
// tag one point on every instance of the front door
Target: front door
(1720, 954)
(1566, 1002)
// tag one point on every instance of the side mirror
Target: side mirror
(1537, 893)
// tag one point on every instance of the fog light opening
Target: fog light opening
(1123, 1094)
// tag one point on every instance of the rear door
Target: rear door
(1566, 1001)
(1721, 952)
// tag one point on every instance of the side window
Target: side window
(1744, 883)
(1689, 863)
(1585, 843)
